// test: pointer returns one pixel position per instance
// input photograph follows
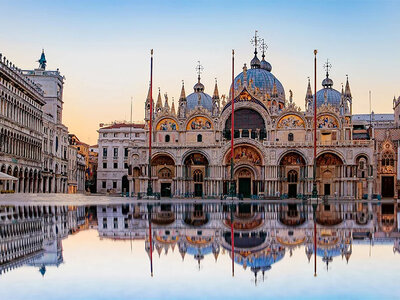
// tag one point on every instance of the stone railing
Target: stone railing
(11, 70)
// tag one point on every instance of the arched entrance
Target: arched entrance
(196, 168)
(125, 184)
(247, 169)
(164, 167)
(244, 177)
(327, 171)
(292, 168)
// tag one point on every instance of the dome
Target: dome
(255, 62)
(263, 80)
(193, 100)
(265, 65)
(333, 97)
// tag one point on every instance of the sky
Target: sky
(103, 49)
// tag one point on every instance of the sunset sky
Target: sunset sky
(103, 49)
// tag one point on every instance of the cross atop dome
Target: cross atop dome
(327, 67)
(199, 87)
(254, 41)
(255, 62)
(327, 82)
(199, 70)
(263, 46)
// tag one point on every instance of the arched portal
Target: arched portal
(195, 172)
(292, 169)
(248, 124)
(163, 166)
(328, 170)
(244, 177)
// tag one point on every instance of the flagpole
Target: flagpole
(232, 187)
(314, 191)
(149, 187)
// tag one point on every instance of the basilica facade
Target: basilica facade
(273, 142)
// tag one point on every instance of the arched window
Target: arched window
(292, 176)
(167, 138)
(387, 159)
(165, 173)
(198, 176)
(290, 137)
(199, 138)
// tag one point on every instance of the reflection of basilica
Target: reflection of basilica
(273, 142)
(261, 233)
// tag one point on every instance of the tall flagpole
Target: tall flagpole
(314, 191)
(232, 187)
(149, 187)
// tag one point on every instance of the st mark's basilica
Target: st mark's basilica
(273, 142)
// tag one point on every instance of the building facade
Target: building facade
(113, 147)
(273, 142)
(21, 127)
(55, 133)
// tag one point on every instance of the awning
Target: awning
(4, 176)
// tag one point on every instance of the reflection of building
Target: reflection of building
(113, 144)
(33, 235)
(263, 233)
(273, 142)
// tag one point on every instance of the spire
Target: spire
(309, 94)
(166, 105)
(216, 94)
(159, 103)
(347, 91)
(183, 94)
(42, 61)
(173, 112)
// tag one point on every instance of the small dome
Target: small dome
(255, 62)
(198, 87)
(193, 100)
(327, 82)
(266, 65)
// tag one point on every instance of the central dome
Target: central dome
(263, 80)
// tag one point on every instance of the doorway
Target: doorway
(292, 192)
(198, 189)
(388, 186)
(245, 187)
(125, 184)
(327, 189)
(165, 189)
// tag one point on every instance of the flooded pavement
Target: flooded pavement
(202, 250)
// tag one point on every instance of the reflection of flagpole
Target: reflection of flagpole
(149, 207)
(232, 242)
